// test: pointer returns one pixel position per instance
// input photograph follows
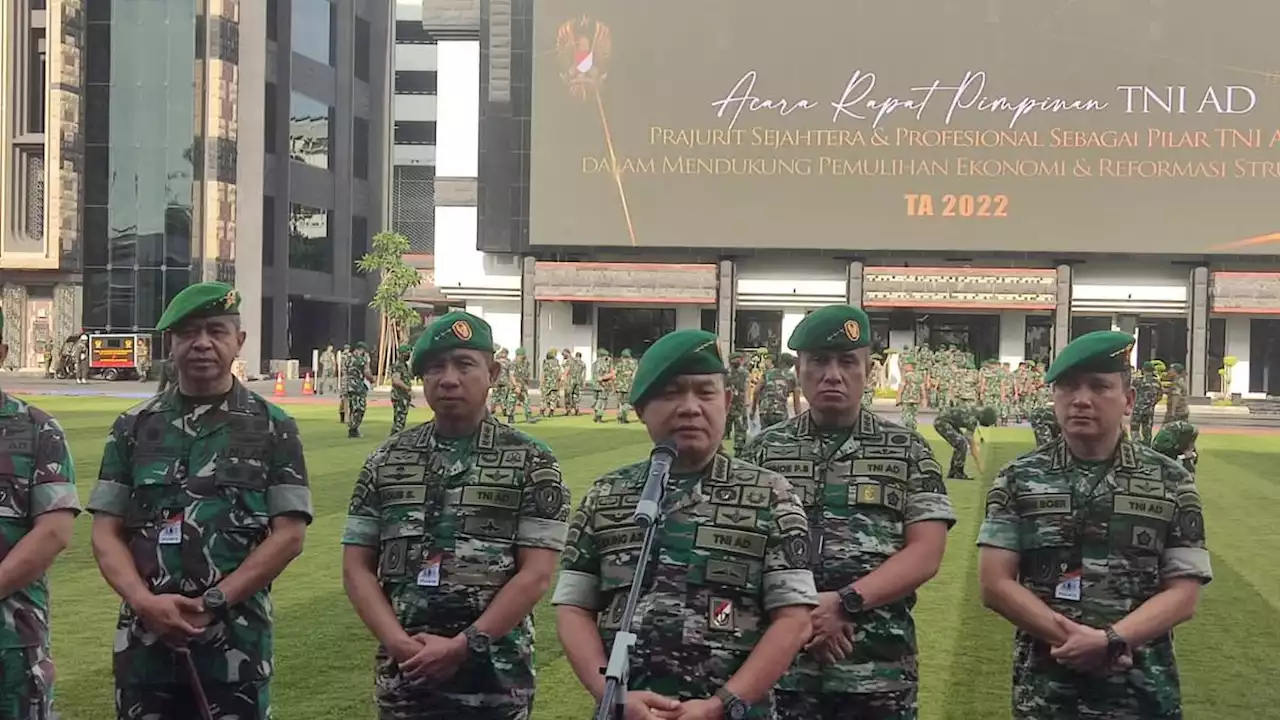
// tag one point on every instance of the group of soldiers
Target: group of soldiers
(782, 580)
(561, 383)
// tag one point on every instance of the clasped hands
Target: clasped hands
(1085, 650)
(175, 618)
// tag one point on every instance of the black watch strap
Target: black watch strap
(1116, 645)
(851, 601)
(735, 708)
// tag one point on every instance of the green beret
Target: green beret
(519, 352)
(361, 346)
(626, 352)
(1149, 365)
(834, 327)
(987, 417)
(210, 299)
(602, 353)
(683, 352)
(1101, 351)
(1178, 367)
(735, 355)
(452, 331)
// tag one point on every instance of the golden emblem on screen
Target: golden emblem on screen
(584, 46)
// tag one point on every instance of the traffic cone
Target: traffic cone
(307, 387)
(279, 391)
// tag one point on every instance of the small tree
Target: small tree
(396, 279)
(1228, 366)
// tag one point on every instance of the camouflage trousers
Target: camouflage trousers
(473, 693)
(498, 398)
(550, 400)
(1140, 425)
(735, 428)
(357, 403)
(600, 402)
(516, 396)
(573, 399)
(1043, 425)
(624, 406)
(82, 370)
(26, 684)
(909, 410)
(1176, 411)
(227, 701)
(959, 446)
(868, 398)
(894, 705)
(399, 414)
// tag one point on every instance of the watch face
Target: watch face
(852, 602)
(737, 710)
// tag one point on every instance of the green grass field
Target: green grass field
(324, 654)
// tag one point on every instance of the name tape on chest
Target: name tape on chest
(1045, 504)
(620, 540)
(791, 468)
(739, 542)
(880, 468)
(393, 495)
(488, 496)
(1147, 507)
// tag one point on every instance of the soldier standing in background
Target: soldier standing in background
(521, 374)
(943, 376)
(356, 391)
(966, 385)
(1176, 395)
(1093, 547)
(549, 384)
(777, 387)
(81, 355)
(873, 383)
(501, 384)
(720, 622)
(1177, 441)
(201, 502)
(1147, 392)
(38, 508)
(1007, 394)
(957, 425)
(877, 518)
(990, 389)
(738, 422)
(450, 599)
(910, 395)
(328, 371)
(624, 374)
(565, 381)
(576, 379)
(344, 357)
(401, 389)
(1022, 392)
(602, 375)
(168, 375)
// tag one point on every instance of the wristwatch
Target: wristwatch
(851, 601)
(735, 708)
(477, 642)
(1116, 645)
(215, 602)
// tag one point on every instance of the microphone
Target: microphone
(664, 453)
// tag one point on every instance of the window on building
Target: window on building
(361, 50)
(1039, 340)
(633, 329)
(360, 148)
(413, 206)
(310, 238)
(412, 32)
(757, 329)
(359, 237)
(310, 130)
(416, 82)
(37, 72)
(270, 118)
(313, 29)
(268, 231)
(708, 319)
(415, 132)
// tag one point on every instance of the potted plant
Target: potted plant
(1228, 369)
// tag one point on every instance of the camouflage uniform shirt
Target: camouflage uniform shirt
(36, 477)
(353, 374)
(1122, 527)
(197, 486)
(861, 488)
(462, 506)
(731, 546)
(777, 388)
(738, 377)
(400, 371)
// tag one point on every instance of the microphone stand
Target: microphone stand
(613, 703)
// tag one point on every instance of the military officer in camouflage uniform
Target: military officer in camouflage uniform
(603, 374)
(1177, 441)
(1147, 392)
(878, 515)
(1176, 407)
(453, 534)
(624, 375)
(168, 375)
(549, 384)
(737, 423)
(38, 508)
(990, 385)
(501, 384)
(1044, 425)
(356, 392)
(328, 376)
(401, 389)
(573, 387)
(957, 425)
(726, 604)
(873, 382)
(521, 374)
(1094, 548)
(344, 357)
(201, 502)
(777, 387)
(910, 394)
